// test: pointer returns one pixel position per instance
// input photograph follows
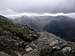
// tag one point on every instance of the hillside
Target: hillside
(20, 31)
(35, 22)
(62, 26)
(13, 35)
(21, 40)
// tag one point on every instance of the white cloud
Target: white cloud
(38, 14)
(13, 14)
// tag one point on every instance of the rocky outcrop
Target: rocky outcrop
(46, 45)
(50, 45)
(14, 38)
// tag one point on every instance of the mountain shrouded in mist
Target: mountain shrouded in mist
(12, 13)
(62, 24)
(37, 27)
(22, 40)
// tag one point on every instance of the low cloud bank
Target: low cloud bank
(12, 14)
(43, 14)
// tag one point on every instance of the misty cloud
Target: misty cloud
(12, 14)
(39, 6)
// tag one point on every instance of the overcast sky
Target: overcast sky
(39, 6)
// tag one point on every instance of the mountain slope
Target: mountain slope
(21, 40)
(20, 31)
(13, 38)
(62, 26)
(50, 45)
(35, 22)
